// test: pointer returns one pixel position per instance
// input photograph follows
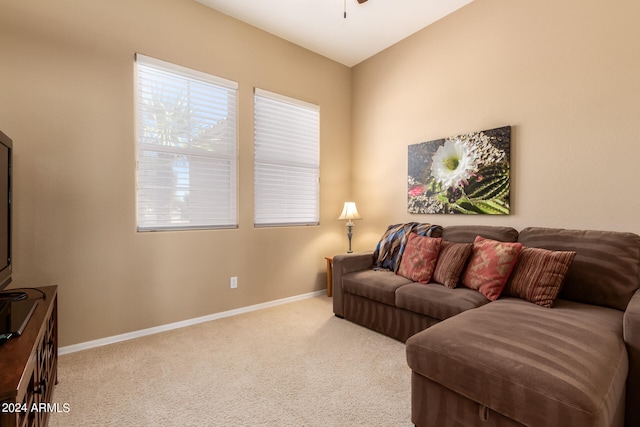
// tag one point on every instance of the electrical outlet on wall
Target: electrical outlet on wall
(233, 283)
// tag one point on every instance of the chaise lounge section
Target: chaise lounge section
(509, 361)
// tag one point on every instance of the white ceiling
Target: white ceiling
(320, 26)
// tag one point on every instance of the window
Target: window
(286, 161)
(186, 148)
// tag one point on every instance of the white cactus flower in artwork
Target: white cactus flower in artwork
(454, 163)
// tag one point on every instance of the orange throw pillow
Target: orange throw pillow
(419, 258)
(490, 266)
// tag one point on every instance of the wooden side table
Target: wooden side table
(329, 275)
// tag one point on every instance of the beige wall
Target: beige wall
(66, 99)
(565, 75)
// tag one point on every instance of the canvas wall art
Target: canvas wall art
(462, 174)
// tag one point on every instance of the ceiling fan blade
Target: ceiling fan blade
(345, 6)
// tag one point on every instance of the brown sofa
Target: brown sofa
(510, 362)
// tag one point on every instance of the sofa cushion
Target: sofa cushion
(377, 285)
(538, 275)
(490, 266)
(451, 261)
(468, 233)
(564, 366)
(419, 258)
(605, 270)
(437, 301)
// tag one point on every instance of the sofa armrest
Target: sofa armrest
(631, 334)
(344, 264)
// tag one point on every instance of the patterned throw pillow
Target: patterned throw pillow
(419, 258)
(390, 248)
(451, 262)
(490, 266)
(539, 274)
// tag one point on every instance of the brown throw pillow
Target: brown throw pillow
(451, 262)
(419, 258)
(490, 266)
(539, 274)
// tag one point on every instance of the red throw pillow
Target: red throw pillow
(419, 258)
(490, 266)
(451, 262)
(539, 274)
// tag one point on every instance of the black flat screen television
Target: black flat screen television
(6, 152)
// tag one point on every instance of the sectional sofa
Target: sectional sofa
(551, 339)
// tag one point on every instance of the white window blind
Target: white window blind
(286, 161)
(186, 148)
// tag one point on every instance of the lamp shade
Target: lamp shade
(350, 211)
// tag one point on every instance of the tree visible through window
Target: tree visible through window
(187, 155)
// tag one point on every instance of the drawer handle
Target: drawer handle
(483, 413)
(43, 387)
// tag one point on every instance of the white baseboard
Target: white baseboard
(144, 332)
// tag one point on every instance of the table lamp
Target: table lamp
(349, 212)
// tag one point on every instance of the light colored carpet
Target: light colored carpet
(291, 365)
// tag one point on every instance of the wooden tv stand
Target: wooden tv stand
(29, 366)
